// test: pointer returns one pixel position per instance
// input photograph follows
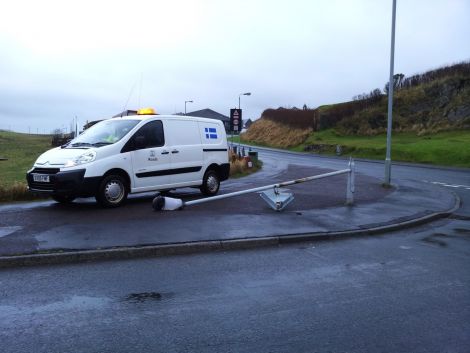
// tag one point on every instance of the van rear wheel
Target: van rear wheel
(112, 191)
(210, 183)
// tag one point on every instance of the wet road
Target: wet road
(401, 292)
(45, 226)
(275, 168)
(406, 291)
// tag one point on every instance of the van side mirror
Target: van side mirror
(140, 142)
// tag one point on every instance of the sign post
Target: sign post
(235, 122)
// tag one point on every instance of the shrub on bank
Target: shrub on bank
(240, 166)
(18, 191)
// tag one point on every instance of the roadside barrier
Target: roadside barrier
(277, 198)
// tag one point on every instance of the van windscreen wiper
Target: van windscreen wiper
(81, 144)
(102, 143)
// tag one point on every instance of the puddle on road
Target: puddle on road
(147, 297)
(74, 303)
(463, 231)
(432, 239)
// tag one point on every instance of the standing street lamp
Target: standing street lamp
(242, 94)
(388, 161)
(241, 122)
(185, 105)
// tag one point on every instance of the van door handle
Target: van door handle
(165, 152)
(175, 151)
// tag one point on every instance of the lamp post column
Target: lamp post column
(239, 108)
(185, 105)
(388, 160)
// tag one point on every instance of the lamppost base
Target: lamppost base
(388, 167)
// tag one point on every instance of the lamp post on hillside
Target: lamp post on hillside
(388, 161)
(185, 105)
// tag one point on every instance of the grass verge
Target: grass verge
(449, 148)
(19, 152)
(444, 148)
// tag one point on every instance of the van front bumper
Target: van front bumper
(71, 182)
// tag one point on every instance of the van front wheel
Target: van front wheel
(112, 191)
(210, 183)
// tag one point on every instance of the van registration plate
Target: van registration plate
(41, 178)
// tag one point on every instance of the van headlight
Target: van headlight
(86, 157)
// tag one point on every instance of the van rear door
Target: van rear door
(185, 150)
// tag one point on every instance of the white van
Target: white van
(133, 154)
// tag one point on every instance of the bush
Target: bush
(239, 165)
(18, 191)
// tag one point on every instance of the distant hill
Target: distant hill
(437, 100)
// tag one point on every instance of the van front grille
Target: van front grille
(46, 170)
(41, 186)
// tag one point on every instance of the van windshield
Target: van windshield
(105, 132)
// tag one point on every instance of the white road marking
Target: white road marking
(4, 231)
(467, 187)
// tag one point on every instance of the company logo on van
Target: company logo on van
(211, 133)
(152, 156)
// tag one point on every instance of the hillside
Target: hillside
(431, 122)
(275, 134)
(437, 100)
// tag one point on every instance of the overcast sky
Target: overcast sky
(61, 59)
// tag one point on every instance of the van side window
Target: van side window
(153, 133)
(148, 136)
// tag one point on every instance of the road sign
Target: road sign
(235, 120)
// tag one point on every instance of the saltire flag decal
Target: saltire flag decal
(211, 133)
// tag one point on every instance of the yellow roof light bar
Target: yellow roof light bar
(146, 111)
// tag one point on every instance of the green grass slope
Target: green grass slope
(449, 148)
(21, 150)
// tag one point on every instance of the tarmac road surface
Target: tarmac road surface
(318, 207)
(406, 291)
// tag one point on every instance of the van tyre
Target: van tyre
(210, 183)
(112, 191)
(63, 198)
